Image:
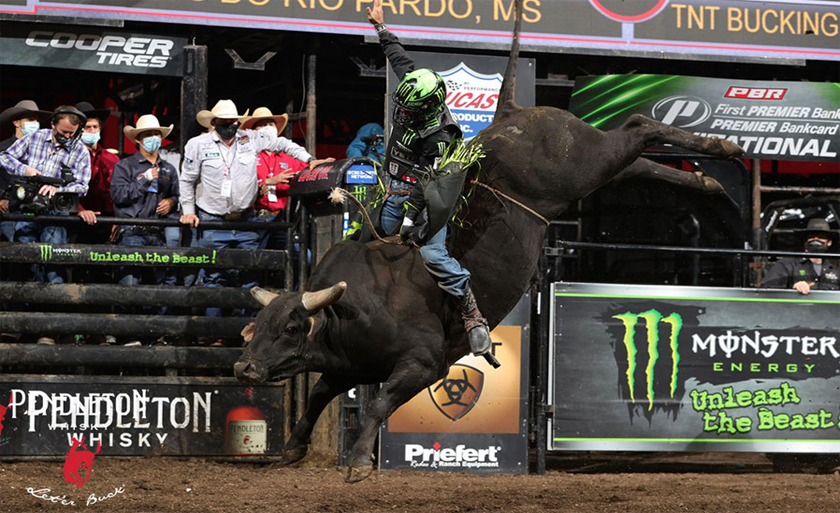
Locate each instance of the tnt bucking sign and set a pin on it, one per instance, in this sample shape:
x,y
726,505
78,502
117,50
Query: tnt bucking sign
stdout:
x,y
472,97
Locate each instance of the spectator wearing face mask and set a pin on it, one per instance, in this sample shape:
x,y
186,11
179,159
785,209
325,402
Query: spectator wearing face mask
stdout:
x,y
98,199
274,170
806,274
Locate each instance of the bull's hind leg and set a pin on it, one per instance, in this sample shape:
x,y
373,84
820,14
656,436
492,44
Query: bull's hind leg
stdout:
x,y
648,170
644,132
408,379
325,390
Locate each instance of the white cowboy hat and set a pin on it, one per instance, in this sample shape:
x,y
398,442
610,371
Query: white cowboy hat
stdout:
x,y
144,124
261,113
224,109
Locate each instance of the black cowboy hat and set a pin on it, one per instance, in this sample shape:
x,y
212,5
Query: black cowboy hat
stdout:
x,y
23,109
819,228
88,110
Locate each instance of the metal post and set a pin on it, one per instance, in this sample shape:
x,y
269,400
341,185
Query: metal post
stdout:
x,y
546,277
756,217
193,91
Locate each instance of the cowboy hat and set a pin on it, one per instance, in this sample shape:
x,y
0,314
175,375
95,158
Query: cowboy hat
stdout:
x,y
88,110
819,228
262,113
224,109
24,108
144,124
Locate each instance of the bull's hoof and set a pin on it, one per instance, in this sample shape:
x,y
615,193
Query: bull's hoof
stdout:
x,y
730,149
293,455
709,184
356,474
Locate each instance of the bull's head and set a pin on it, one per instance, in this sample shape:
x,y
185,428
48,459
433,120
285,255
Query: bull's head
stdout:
x,y
281,340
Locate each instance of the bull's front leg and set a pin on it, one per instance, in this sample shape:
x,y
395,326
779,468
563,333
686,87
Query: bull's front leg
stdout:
x,y
327,388
407,380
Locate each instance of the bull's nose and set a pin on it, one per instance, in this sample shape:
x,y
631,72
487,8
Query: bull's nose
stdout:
x,y
247,371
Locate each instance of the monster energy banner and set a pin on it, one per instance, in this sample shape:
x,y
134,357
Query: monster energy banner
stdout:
x,y
473,420
148,256
720,29
694,368
779,121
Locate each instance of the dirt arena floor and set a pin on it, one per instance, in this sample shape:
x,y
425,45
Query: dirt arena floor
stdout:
x,y
655,483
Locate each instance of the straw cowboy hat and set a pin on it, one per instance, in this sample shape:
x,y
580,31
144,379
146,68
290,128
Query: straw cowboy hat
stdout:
x,y
224,109
144,124
819,228
87,109
23,109
262,113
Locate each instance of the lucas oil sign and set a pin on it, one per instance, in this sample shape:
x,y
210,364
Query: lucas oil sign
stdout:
x,y
472,97
694,368
778,121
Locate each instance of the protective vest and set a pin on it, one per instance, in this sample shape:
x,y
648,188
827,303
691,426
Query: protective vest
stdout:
x,y
405,145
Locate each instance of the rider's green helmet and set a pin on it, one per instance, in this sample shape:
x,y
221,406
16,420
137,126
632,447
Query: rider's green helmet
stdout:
x,y
419,97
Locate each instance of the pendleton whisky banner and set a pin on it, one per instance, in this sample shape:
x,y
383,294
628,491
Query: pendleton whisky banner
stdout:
x,y
694,368
725,29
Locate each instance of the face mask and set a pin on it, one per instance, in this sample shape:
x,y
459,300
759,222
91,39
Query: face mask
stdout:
x,y
30,127
61,139
227,131
151,144
816,246
90,139
270,131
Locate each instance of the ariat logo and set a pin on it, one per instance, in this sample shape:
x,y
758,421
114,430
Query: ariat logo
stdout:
x,y
46,252
656,328
457,393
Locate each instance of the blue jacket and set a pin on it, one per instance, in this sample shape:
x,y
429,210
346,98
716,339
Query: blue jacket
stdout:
x,y
359,149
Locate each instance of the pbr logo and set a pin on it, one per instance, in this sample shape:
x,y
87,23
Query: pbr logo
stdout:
x,y
682,111
472,97
457,393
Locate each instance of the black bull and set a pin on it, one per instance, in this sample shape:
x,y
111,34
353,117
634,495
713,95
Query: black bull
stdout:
x,y
373,313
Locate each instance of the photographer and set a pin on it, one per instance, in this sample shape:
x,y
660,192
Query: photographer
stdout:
x,y
44,152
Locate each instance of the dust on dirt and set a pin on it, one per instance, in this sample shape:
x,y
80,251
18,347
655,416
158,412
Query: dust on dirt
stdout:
x,y
585,484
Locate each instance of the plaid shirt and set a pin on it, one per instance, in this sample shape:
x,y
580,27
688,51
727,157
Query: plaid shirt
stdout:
x,y
39,151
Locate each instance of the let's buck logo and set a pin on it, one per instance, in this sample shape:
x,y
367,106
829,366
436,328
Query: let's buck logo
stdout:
x,y
651,344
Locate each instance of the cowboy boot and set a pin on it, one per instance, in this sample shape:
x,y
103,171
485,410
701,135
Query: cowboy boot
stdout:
x,y
475,324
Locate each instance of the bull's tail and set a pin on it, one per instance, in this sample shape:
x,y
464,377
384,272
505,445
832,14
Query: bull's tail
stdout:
x,y
507,101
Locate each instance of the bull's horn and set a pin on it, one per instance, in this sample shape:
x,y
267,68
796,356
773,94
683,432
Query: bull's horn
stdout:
x,y
319,299
263,296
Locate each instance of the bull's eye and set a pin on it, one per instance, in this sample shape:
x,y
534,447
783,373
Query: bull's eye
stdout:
x,y
291,330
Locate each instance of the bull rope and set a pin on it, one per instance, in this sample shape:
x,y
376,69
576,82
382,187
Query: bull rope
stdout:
x,y
338,195
525,207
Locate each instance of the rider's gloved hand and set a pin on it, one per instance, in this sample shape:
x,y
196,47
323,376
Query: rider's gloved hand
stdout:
x,y
407,229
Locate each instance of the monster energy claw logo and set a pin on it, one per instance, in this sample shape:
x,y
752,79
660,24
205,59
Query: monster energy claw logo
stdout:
x,y
652,319
46,252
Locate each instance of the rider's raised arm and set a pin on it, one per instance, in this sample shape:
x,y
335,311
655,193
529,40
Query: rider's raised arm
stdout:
x,y
391,45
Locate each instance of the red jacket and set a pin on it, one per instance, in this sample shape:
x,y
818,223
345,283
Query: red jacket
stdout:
x,y
98,197
268,165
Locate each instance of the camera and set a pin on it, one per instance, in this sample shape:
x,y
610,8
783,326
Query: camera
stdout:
x,y
23,196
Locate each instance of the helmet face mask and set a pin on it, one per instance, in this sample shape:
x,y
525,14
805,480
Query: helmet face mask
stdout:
x,y
419,97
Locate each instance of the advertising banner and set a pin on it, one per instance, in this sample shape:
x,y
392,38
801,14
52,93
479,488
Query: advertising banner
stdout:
x,y
91,48
657,368
136,416
778,121
473,83
718,29
473,420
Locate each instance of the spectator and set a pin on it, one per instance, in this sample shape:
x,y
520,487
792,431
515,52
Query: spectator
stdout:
x,y
367,144
26,118
224,162
144,186
806,274
274,170
98,199
44,152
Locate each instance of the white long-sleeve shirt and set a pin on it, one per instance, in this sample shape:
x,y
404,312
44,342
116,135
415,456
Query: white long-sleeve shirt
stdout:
x,y
209,163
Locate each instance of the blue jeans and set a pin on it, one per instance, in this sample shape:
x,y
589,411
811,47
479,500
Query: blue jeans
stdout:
x,y
272,239
136,236
223,239
7,231
393,212
31,232
447,272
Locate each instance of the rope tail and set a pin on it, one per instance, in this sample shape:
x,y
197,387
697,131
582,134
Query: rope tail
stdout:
x,y
338,195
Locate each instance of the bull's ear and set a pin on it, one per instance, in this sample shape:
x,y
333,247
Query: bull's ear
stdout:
x,y
248,332
317,300
263,296
315,325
